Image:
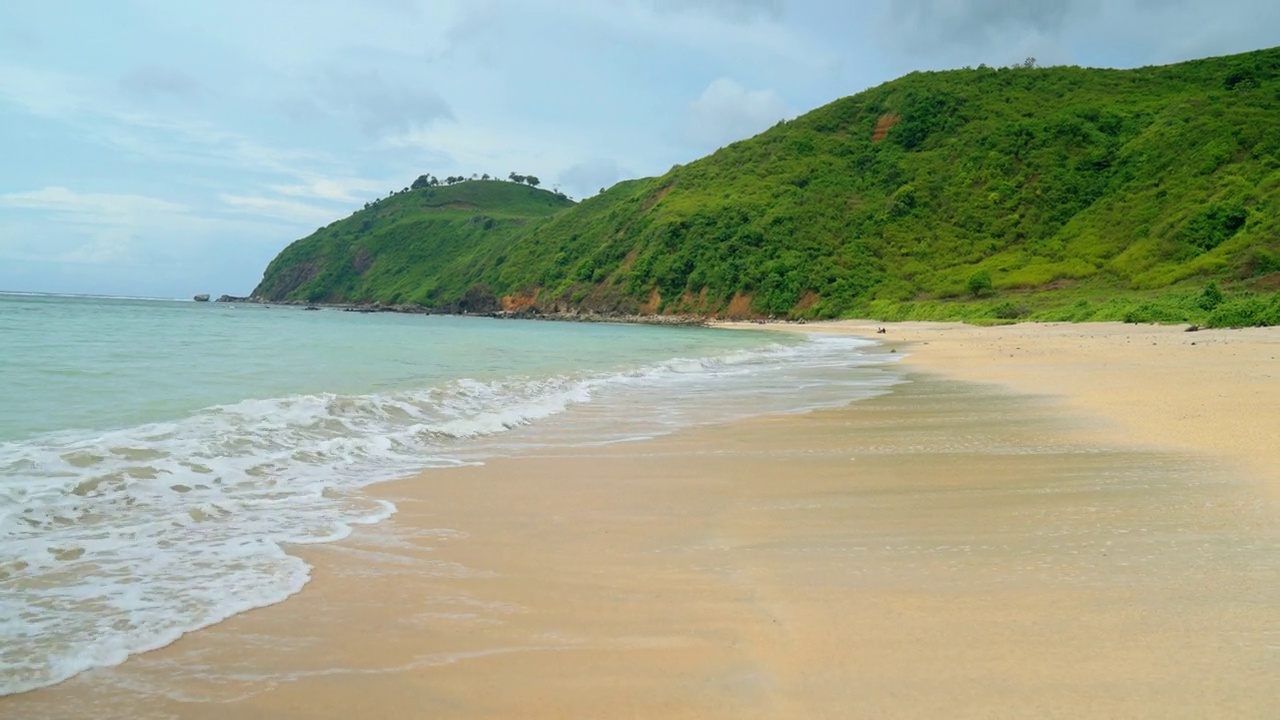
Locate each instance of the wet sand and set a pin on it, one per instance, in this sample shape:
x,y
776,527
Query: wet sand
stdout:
x,y
950,549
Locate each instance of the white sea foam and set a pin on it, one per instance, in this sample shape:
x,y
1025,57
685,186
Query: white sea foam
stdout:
x,y
114,543
81,296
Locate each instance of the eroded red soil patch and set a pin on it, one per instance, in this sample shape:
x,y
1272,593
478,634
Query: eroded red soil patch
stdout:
x,y
650,306
884,125
657,197
520,301
739,307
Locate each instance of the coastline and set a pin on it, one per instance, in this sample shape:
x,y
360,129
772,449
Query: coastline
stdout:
x,y
1042,548
526,313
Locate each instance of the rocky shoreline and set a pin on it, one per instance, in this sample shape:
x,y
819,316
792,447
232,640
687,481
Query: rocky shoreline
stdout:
x,y
522,314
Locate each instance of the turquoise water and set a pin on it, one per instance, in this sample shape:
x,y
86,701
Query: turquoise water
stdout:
x,y
103,363
156,456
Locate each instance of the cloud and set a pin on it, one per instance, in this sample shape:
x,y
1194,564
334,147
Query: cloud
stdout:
x,y
974,21
43,93
1110,33
741,33
480,147
58,239
740,11
148,82
196,142
337,189
103,120
100,227
947,33
89,206
726,111
474,28
377,103
276,209
587,177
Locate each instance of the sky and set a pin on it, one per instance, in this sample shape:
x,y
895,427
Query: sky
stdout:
x,y
171,147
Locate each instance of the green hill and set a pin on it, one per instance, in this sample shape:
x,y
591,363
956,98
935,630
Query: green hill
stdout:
x,y
413,247
1054,193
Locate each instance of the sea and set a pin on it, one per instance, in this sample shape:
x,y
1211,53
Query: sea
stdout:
x,y
159,457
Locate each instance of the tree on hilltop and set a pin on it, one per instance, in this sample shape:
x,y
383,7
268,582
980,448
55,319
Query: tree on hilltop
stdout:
x,y
530,180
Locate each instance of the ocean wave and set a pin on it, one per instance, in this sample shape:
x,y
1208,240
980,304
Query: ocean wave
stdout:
x,y
82,296
117,542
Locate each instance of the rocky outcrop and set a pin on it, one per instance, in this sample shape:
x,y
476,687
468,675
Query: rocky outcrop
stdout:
x,y
477,300
611,317
202,297
480,301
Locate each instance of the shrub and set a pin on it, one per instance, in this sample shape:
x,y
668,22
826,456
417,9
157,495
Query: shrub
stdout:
x,y
1261,262
979,283
1008,311
1215,224
1246,311
1210,297
1151,312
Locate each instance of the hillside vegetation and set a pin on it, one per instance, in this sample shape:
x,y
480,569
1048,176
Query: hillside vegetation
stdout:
x,y
1052,193
414,247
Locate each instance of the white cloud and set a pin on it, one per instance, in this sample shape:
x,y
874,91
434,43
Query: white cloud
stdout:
x,y
726,111
147,82
740,11
276,209
1114,33
378,102
56,224
90,206
478,147
589,176
197,142
336,189
100,117
97,228
728,30
43,93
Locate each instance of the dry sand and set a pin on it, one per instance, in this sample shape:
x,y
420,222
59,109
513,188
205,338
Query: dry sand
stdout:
x,y
1097,540
1213,391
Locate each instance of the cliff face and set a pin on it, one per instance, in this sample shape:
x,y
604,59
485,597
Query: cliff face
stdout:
x,y
992,191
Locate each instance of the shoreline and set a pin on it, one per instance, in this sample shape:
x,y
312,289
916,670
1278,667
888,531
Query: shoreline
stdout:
x,y
681,577
528,313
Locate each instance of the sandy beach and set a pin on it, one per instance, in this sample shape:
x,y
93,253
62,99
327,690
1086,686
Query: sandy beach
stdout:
x,y
1051,521
1209,391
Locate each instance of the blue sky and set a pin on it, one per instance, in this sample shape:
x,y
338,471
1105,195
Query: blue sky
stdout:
x,y
170,147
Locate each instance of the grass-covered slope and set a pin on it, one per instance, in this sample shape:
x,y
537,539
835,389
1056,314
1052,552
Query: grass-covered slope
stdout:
x,y
1057,192
415,247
